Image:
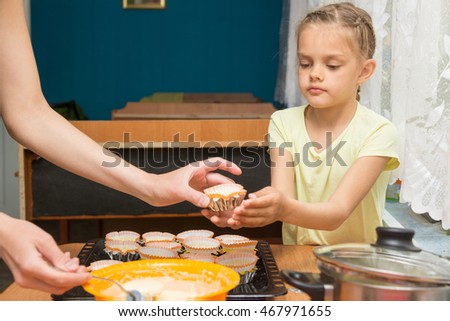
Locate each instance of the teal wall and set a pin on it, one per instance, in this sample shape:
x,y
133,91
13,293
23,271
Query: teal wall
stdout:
x,y
103,56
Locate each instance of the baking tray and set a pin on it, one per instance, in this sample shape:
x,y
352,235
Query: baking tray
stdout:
x,y
265,285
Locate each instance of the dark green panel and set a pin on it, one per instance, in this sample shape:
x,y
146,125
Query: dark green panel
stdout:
x,y
103,56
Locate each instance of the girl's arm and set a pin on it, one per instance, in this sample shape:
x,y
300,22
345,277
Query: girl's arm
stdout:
x,y
269,208
277,203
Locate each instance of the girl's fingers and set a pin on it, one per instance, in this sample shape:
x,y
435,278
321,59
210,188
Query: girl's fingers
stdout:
x,y
249,221
252,196
258,202
248,213
235,225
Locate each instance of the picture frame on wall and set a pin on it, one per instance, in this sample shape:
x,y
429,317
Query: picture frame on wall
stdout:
x,y
144,4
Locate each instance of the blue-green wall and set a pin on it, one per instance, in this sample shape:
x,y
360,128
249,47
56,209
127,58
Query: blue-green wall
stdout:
x,y
103,56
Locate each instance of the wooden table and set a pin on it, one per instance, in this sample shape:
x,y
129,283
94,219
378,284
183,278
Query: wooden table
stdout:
x,y
202,110
293,257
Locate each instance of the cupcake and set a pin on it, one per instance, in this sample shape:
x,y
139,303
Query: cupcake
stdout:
x,y
158,237
238,245
201,245
199,257
122,236
243,262
197,233
122,250
225,197
156,252
168,245
97,265
231,237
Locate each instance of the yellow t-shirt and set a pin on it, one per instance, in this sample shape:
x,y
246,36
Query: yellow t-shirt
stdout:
x,y
317,175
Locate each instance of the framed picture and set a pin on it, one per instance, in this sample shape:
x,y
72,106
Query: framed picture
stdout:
x,y
144,4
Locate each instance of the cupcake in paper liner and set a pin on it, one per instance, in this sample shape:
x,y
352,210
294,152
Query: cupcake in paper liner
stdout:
x,y
199,257
123,236
201,245
225,197
158,237
238,245
194,233
231,237
156,252
122,250
97,265
168,245
243,263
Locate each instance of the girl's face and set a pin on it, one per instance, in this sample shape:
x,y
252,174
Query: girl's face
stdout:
x,y
330,69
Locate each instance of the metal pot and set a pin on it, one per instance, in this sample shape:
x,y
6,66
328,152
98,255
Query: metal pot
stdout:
x,y
391,269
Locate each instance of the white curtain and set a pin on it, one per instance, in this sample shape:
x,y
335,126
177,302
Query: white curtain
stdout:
x,y
411,87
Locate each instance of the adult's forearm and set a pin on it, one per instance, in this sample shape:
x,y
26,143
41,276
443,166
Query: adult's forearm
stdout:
x,y
49,135
31,121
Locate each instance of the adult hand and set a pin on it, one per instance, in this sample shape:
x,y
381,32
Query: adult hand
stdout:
x,y
188,183
35,259
221,219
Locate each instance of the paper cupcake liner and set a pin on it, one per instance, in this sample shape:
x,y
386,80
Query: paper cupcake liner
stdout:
x,y
97,265
122,236
239,261
231,238
242,262
221,205
197,233
168,245
124,257
154,252
225,197
122,250
199,257
248,245
158,237
201,245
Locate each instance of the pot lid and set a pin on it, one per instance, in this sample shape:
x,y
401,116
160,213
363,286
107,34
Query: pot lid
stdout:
x,y
392,257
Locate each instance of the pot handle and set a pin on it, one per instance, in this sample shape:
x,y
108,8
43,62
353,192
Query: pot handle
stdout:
x,y
396,238
309,283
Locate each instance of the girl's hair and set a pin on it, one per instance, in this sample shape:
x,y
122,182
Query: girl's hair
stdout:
x,y
348,16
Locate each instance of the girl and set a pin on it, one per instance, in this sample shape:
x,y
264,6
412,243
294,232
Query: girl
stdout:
x,y
330,158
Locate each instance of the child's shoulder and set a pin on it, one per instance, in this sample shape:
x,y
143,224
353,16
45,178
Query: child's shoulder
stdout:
x,y
371,124
371,115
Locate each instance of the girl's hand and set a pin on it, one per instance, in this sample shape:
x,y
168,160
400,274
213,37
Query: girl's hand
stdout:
x,y
35,260
261,208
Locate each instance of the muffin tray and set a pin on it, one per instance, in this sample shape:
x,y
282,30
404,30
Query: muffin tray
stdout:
x,y
265,285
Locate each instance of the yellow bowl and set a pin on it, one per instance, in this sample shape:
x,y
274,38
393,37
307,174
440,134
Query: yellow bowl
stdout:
x,y
165,279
